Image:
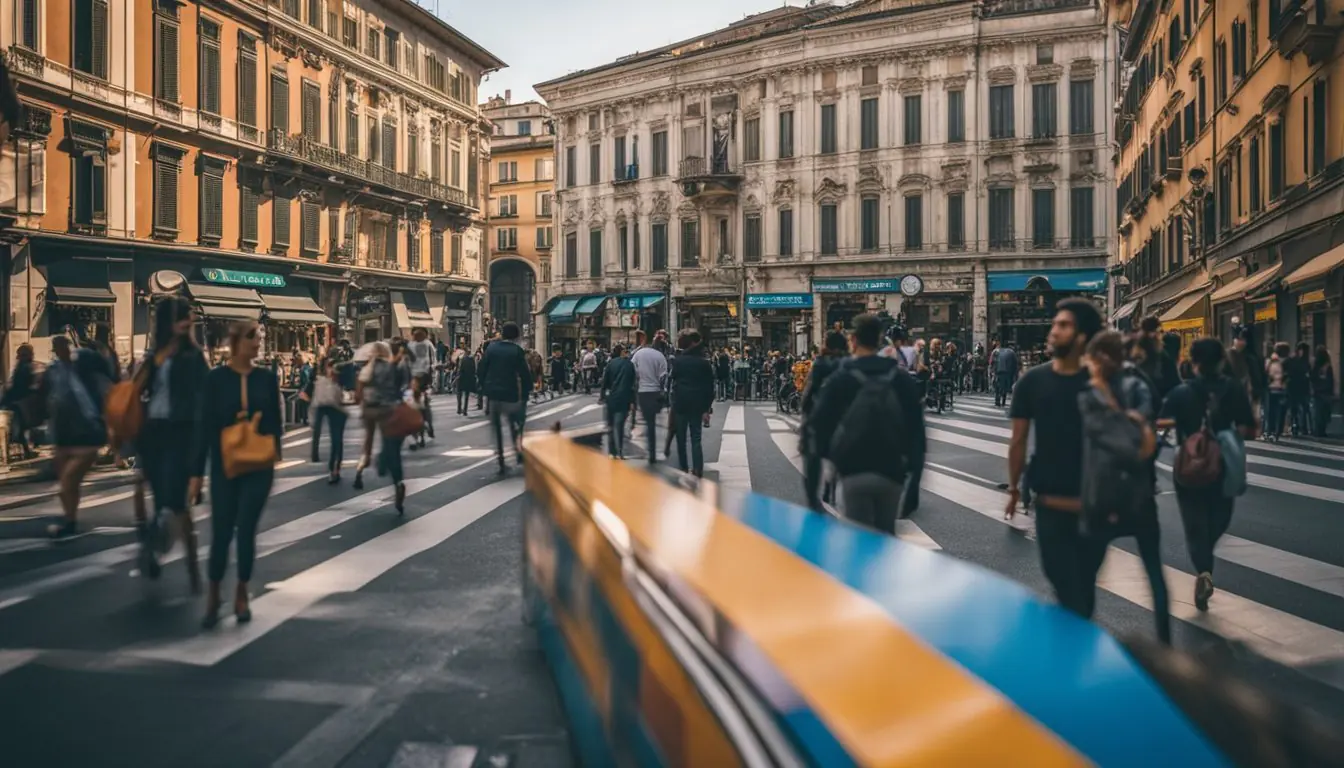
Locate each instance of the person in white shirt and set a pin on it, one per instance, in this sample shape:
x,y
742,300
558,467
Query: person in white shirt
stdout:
x,y
588,367
423,355
651,374
329,402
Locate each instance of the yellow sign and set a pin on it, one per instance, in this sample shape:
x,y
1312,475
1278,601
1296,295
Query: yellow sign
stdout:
x,y
1311,297
1192,324
1270,311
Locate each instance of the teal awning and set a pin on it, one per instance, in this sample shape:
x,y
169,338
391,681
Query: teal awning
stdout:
x,y
1048,280
589,304
634,301
563,311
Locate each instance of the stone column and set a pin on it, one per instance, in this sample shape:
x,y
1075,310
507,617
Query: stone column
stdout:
x,y
818,319
980,305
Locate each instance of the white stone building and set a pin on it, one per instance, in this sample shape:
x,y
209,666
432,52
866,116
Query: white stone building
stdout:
x,y
945,162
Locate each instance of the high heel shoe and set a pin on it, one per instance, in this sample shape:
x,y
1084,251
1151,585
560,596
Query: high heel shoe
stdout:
x,y
212,602
241,610
358,485
401,498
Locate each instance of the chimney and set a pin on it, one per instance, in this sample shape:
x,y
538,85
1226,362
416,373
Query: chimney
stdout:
x,y
508,96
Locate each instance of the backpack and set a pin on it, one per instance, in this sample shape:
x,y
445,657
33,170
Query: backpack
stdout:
x,y
873,425
1199,459
74,404
1116,481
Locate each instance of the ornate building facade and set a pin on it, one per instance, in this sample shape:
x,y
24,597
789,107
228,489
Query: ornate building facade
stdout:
x,y
948,163
312,165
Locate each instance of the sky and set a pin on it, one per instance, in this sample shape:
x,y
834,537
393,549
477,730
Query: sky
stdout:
x,y
545,39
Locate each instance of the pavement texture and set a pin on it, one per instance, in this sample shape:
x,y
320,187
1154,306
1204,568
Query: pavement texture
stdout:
x,y
381,640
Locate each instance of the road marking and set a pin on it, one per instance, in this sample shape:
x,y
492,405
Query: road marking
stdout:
x,y
11,660
587,409
735,421
733,465
778,425
906,530
997,413
349,571
1273,633
530,417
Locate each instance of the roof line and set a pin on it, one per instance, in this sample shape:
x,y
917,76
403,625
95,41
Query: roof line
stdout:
x,y
492,62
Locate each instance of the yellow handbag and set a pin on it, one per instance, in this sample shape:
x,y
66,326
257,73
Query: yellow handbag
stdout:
x,y
242,446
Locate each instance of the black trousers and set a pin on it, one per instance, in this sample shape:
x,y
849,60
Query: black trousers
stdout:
x,y
690,424
1070,559
335,419
1205,514
235,508
650,403
164,452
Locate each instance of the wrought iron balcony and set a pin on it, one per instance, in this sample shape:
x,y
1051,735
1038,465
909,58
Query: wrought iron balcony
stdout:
x,y
696,168
627,174
329,158
1305,30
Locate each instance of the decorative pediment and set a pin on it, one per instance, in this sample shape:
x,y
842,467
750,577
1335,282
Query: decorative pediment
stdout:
x,y
911,182
911,85
662,206
596,214
1001,179
573,212
752,203
1045,73
1002,76
1082,69
830,190
620,216
870,180
785,190
956,82
687,210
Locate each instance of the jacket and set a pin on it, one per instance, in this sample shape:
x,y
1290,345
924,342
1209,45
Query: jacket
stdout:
x,y
839,392
618,384
186,378
504,373
650,368
466,374
692,382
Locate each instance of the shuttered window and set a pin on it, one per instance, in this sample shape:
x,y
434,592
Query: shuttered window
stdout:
x,y
312,110
828,129
352,132
249,203
436,251
1001,234
1001,122
390,249
571,255
1080,218
90,192
914,120
413,246
90,36
29,40
209,84
247,81
165,59
658,246
830,240
389,144
334,116
1042,218
914,222
595,253
280,223
280,102
868,123
212,201
1044,110
167,169
785,232
751,238
457,255
690,243
435,156
956,221
956,117
310,227
412,150
373,147
870,222
1080,107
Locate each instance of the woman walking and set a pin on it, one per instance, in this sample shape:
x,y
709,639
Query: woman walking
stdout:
x,y
232,393
1322,392
466,382
381,384
173,374
329,400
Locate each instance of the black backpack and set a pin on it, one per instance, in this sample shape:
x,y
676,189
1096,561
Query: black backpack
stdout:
x,y
1117,483
873,425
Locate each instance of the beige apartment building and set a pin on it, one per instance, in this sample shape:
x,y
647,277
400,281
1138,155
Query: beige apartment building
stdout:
x,y
312,165
1231,168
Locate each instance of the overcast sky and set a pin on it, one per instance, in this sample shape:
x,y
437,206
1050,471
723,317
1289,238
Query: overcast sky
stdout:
x,y
544,39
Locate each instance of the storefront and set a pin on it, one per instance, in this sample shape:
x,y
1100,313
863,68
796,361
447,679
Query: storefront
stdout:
x,y
841,300
1022,303
785,320
716,318
410,310
457,318
631,312
1123,318
293,319
1234,304
56,288
1316,293
370,315
574,320
1187,317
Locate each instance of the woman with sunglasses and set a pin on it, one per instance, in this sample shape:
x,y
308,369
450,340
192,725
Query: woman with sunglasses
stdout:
x,y
236,503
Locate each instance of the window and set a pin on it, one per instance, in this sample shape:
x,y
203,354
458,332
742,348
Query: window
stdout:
x,y
508,172
247,81
167,169
956,117
372,47
623,247
868,124
1044,110
508,206
571,167
280,102
212,200
830,239
594,121
913,112
1220,91
392,38
545,169
1203,101
88,196
1254,34
1001,218
524,127
280,223
349,32
595,164
1276,160
352,130
1174,39
389,147
828,137
311,115
90,52
618,163
435,153
1188,124
544,237
28,34
658,246
436,74
634,236
455,256
751,238
166,57
291,8
1224,195
660,153
1045,53
249,202
1042,218
455,168
544,204
436,251
914,223
751,139
412,149
956,221
690,243
1001,112
1238,50
870,222
310,230
785,232
315,14
571,255
1257,198
785,134
1318,126
506,238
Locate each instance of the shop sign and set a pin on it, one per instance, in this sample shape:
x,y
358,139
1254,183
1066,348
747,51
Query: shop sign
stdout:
x,y
1311,297
1191,324
1267,311
779,300
869,285
249,279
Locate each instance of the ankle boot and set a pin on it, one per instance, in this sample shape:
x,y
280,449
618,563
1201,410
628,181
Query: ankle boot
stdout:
x,y
241,610
212,602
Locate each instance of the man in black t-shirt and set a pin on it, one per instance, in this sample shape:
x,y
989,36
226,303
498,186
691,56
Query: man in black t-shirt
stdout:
x,y
1045,400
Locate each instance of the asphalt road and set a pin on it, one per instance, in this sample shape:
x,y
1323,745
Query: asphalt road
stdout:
x,y
386,641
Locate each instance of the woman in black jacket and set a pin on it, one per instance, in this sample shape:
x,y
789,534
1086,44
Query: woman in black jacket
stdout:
x,y
466,382
837,347
173,375
692,398
235,503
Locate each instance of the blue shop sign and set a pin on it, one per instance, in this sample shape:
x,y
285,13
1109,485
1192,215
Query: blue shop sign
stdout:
x,y
869,285
779,301
249,279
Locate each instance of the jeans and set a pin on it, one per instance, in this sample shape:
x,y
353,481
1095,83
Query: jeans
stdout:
x,y
616,431
692,423
499,412
1003,386
1299,410
317,430
235,505
463,400
872,500
1276,409
1323,411
650,403
335,419
389,458
1070,559
1205,513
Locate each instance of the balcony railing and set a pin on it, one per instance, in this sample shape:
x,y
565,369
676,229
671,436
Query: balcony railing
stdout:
x,y
627,174
699,167
332,159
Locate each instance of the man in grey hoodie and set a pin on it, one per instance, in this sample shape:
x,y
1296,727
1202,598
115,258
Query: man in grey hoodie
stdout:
x,y
651,374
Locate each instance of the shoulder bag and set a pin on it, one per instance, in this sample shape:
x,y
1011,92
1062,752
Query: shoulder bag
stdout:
x,y
242,446
124,408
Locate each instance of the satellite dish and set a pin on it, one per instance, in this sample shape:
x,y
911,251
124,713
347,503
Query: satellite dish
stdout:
x,y
166,281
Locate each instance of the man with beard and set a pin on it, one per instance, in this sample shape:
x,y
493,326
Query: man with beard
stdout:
x,y
1045,401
